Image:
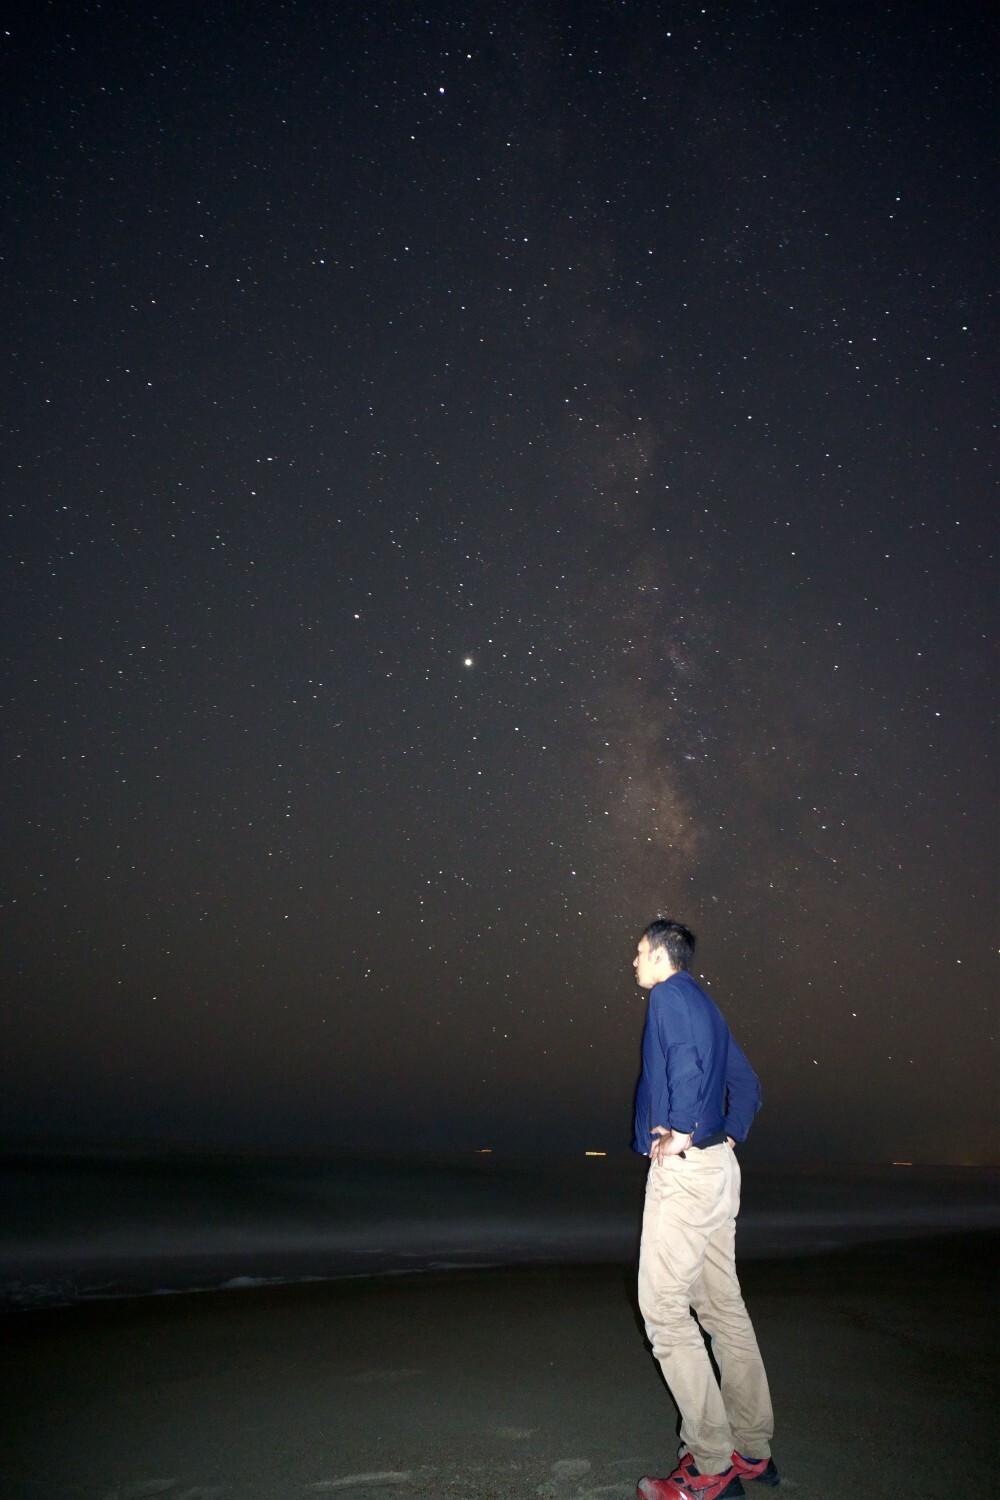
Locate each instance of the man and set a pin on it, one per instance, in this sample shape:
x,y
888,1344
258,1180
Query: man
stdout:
x,y
696,1098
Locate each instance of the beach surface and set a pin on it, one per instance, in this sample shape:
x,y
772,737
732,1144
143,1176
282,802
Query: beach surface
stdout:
x,y
522,1384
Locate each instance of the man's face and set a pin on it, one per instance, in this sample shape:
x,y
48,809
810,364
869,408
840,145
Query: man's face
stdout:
x,y
650,968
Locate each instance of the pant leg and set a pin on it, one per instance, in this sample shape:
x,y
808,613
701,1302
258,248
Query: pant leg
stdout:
x,y
688,1201
718,1301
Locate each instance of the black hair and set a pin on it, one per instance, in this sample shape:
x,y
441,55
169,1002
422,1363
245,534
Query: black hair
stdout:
x,y
678,940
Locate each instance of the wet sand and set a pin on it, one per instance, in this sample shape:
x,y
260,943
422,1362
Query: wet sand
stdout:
x,y
530,1384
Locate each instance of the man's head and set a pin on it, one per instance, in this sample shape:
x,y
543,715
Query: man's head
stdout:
x,y
664,947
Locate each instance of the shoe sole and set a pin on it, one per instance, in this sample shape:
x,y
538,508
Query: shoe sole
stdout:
x,y
734,1489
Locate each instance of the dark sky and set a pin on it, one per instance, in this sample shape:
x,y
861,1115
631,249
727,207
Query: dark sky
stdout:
x,y
476,477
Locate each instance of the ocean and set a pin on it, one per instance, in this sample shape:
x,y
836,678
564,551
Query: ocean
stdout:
x,y
88,1223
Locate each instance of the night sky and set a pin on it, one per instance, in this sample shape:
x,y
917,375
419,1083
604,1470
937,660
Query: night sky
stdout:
x,y
476,477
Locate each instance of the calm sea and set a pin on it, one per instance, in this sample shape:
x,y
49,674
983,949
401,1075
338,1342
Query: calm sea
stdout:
x,y
86,1224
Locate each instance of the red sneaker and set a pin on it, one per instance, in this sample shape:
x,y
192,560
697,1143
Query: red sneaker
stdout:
x,y
761,1469
685,1483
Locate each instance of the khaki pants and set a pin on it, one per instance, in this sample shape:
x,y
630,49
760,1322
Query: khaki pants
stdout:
x,y
688,1260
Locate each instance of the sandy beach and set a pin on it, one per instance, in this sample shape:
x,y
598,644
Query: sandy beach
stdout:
x,y
497,1385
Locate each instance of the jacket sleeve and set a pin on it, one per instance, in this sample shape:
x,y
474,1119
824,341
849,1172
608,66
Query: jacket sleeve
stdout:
x,y
683,1067
742,1093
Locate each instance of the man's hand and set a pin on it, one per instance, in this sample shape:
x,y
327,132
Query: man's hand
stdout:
x,y
671,1143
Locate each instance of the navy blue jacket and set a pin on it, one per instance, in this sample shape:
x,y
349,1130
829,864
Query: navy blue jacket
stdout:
x,y
694,1077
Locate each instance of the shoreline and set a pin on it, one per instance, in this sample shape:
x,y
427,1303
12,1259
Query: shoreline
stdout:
x,y
225,1275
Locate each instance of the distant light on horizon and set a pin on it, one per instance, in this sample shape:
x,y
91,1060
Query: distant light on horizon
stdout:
x,y
902,1164
484,1151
